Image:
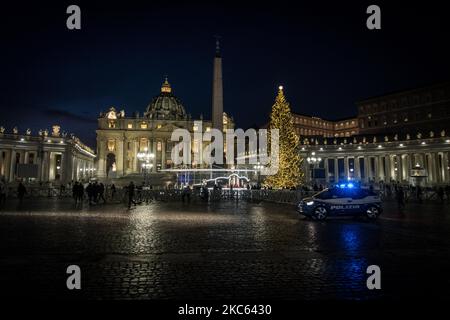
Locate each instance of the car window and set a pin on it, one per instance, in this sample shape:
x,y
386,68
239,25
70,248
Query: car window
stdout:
x,y
326,194
338,193
358,194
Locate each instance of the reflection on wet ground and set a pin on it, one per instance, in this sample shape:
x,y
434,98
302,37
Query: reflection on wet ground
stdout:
x,y
220,250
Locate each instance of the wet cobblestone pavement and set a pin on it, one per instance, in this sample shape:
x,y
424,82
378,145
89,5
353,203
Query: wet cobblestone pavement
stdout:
x,y
234,250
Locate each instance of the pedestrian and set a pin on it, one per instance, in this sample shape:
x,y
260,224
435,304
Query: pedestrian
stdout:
x,y
440,193
3,190
95,191
21,191
447,192
80,193
113,191
419,194
75,191
90,192
186,193
400,195
101,192
205,192
131,194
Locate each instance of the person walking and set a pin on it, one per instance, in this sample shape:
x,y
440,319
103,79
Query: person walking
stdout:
x,y
447,192
95,191
90,193
101,192
400,195
75,191
113,191
3,190
440,193
419,194
21,191
131,195
80,193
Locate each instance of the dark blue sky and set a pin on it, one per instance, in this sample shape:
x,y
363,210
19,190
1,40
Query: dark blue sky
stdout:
x,y
323,55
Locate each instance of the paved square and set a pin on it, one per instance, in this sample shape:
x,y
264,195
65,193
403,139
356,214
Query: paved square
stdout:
x,y
222,250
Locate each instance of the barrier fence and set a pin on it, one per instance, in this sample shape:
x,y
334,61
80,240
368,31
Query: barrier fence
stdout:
x,y
276,196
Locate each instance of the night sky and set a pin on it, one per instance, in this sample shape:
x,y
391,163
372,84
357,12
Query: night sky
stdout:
x,y
323,54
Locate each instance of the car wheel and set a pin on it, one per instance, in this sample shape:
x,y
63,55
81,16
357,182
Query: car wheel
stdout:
x,y
320,213
372,212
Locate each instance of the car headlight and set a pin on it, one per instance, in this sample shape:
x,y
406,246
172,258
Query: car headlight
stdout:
x,y
309,203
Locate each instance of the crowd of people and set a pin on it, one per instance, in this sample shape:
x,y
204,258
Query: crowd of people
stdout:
x,y
95,193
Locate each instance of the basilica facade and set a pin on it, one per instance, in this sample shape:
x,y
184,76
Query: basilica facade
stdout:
x,y
121,138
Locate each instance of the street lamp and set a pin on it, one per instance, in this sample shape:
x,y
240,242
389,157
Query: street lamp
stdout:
x,y
313,161
146,157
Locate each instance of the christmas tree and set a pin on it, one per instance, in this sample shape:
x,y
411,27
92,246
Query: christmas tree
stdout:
x,y
289,173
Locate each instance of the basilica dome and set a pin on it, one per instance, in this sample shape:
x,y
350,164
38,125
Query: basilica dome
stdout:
x,y
166,106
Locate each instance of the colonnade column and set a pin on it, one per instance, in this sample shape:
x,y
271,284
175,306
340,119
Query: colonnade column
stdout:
x,y
445,166
135,152
346,172
12,165
376,169
101,163
119,158
388,168
336,170
163,154
399,175
153,150
357,168
366,168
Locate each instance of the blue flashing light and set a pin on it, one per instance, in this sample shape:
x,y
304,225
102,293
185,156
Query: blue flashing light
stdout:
x,y
349,185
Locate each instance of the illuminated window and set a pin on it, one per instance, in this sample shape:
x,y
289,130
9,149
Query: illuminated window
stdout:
x,y
144,125
195,127
111,145
208,129
143,144
159,146
195,146
130,126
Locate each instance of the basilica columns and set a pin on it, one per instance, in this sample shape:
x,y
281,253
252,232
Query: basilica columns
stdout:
x,y
357,169
163,154
101,161
153,150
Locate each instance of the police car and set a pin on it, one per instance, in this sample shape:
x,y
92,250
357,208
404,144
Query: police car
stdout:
x,y
341,200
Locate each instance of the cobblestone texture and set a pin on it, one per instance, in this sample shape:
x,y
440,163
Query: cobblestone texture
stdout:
x,y
226,250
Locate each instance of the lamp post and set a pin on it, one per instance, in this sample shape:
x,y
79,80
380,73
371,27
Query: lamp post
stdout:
x,y
146,157
313,161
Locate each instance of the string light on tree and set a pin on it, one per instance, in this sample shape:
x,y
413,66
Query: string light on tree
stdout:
x,y
289,173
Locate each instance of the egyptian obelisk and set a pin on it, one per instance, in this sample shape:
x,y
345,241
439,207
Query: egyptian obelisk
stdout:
x,y
217,96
